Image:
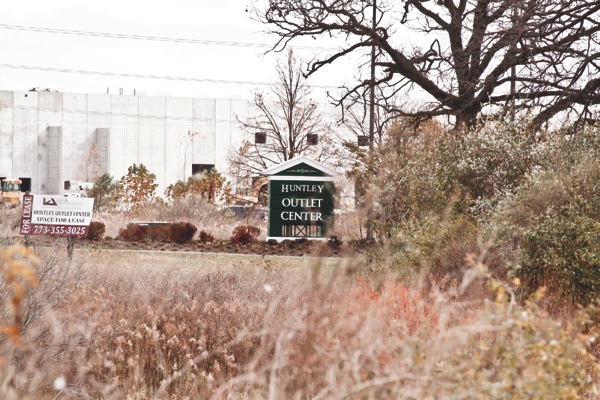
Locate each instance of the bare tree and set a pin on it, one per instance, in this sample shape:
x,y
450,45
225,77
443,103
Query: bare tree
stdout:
x,y
469,57
288,120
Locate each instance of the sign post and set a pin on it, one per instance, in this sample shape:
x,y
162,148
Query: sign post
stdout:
x,y
301,200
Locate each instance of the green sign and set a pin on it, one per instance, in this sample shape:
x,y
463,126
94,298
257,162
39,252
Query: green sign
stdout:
x,y
301,193
300,208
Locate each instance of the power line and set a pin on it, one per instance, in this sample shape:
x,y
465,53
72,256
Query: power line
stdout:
x,y
151,38
141,76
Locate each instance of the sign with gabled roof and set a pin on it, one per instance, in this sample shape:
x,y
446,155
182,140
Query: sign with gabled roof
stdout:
x,y
301,167
301,199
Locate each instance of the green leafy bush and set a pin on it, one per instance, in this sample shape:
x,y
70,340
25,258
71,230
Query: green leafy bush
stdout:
x,y
428,172
211,185
245,234
550,232
105,193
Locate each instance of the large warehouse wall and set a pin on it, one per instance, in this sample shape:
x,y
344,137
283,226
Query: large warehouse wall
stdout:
x,y
47,136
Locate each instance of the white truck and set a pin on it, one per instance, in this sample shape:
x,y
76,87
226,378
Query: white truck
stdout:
x,y
75,188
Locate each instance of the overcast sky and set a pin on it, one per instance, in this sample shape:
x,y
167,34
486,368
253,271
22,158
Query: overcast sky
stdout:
x,y
31,54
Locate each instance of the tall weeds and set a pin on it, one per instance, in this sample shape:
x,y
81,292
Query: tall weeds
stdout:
x,y
271,332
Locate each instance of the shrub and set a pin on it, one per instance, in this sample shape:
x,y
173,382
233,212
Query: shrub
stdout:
x,y
205,237
133,233
138,187
436,244
551,234
182,232
245,234
302,241
96,230
334,242
288,243
427,173
211,185
105,193
159,233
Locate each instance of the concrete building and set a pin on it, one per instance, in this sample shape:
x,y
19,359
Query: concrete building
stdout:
x,y
49,138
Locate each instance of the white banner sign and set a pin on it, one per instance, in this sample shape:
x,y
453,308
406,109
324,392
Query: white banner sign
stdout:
x,y
56,215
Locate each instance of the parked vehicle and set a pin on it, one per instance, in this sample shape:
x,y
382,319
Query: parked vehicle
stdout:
x,y
11,195
75,188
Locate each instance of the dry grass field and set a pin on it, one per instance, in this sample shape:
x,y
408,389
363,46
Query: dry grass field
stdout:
x,y
120,324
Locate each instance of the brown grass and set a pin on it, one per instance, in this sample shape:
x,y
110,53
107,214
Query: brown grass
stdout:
x,y
140,326
10,219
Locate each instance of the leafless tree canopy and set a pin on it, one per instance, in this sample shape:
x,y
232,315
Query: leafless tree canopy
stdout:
x,y
469,56
287,114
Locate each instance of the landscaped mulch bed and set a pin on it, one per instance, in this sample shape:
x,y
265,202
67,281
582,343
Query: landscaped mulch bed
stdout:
x,y
300,248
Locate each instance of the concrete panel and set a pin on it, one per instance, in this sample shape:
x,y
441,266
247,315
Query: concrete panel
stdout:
x,y
178,143
204,145
204,112
152,106
50,113
205,124
152,123
75,109
79,159
25,137
6,134
98,128
179,108
98,111
176,155
103,146
54,163
124,128
120,155
152,137
241,110
75,102
124,105
50,101
74,152
225,121
6,98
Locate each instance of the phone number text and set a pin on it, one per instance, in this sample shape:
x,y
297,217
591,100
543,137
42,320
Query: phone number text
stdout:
x,y
59,230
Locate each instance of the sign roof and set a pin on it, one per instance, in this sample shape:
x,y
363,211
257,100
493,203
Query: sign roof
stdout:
x,y
287,167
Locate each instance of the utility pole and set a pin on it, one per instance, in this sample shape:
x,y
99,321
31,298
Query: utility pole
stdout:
x,y
372,115
372,94
513,71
